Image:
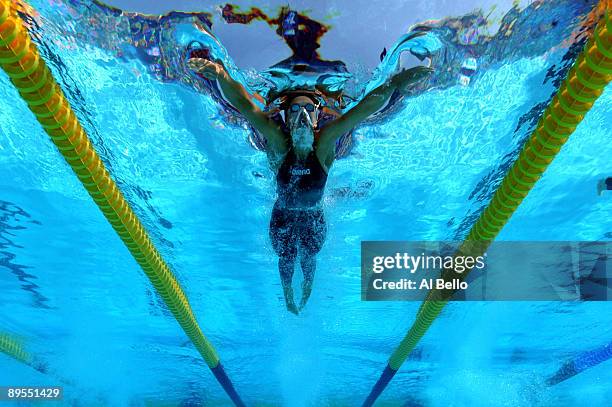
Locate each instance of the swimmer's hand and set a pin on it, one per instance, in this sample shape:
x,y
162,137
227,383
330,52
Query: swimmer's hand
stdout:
x,y
208,69
407,77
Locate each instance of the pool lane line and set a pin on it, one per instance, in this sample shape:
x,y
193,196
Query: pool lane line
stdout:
x,y
12,347
580,363
20,59
585,82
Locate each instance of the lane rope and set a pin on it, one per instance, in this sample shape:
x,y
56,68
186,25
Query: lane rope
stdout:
x,y
585,82
20,59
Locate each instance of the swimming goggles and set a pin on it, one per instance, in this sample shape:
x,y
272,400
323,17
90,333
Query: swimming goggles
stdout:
x,y
295,107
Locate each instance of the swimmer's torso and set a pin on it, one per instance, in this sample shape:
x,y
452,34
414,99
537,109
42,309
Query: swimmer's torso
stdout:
x,y
300,183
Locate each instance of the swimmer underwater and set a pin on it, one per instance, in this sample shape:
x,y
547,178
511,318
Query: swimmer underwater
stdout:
x,y
301,151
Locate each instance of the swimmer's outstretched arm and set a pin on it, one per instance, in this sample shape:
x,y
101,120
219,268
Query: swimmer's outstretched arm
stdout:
x,y
367,106
237,95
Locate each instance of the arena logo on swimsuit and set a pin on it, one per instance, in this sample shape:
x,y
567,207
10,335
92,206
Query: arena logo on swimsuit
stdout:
x,y
300,171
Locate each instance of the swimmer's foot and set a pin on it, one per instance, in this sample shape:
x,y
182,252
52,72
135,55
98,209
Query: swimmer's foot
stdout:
x,y
305,298
292,308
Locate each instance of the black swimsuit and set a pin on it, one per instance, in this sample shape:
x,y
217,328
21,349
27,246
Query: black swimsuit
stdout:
x,y
297,216
300,184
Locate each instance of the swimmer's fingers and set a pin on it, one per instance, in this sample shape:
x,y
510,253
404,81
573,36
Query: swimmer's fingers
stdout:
x,y
205,67
199,65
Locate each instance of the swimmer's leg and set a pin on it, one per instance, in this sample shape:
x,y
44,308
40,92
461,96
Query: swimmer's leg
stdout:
x,y
312,236
286,267
309,266
284,242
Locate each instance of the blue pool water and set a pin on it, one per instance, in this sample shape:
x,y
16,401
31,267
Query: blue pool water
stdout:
x,y
72,292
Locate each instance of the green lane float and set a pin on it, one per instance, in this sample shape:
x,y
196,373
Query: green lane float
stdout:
x,y
13,347
20,59
584,83
10,346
